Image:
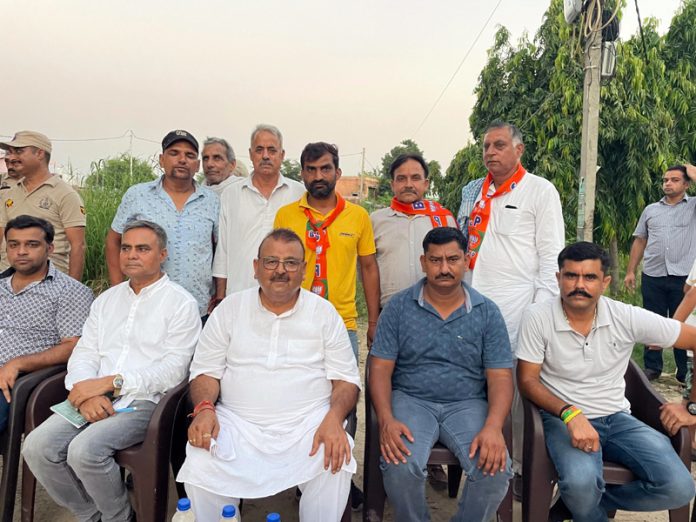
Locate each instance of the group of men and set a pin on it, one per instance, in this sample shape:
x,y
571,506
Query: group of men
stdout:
x,y
269,267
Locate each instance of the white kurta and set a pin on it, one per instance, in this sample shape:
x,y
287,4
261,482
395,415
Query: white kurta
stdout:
x,y
518,260
275,376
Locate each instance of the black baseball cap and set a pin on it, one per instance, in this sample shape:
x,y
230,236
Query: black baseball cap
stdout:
x,y
178,135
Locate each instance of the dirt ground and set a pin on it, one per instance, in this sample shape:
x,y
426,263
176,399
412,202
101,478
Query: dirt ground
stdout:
x,y
441,506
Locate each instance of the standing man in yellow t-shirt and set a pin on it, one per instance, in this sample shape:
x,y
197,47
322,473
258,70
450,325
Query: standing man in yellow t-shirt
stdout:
x,y
337,236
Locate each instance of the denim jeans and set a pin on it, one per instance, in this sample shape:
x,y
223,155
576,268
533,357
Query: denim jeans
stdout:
x,y
662,295
354,344
455,425
77,468
4,412
663,482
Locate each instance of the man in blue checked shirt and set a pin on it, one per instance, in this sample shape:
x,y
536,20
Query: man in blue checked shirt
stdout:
x,y
187,211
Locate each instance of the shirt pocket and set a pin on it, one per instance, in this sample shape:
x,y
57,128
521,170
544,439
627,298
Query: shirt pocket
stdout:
x,y
508,221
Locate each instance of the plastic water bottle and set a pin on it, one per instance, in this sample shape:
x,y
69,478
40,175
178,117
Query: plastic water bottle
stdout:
x,y
229,514
184,513
273,517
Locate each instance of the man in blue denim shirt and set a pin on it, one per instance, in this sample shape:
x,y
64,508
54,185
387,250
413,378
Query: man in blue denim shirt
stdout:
x,y
187,211
441,371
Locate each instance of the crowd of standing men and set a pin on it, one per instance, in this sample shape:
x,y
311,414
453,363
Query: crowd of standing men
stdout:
x,y
247,287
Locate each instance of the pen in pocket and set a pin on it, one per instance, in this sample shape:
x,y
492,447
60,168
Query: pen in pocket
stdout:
x,y
125,410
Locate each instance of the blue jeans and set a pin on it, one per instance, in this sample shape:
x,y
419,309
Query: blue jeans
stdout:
x,y
663,480
455,425
4,412
77,468
354,344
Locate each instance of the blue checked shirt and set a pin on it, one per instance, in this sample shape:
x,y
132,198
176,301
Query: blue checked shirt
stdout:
x,y
190,233
470,193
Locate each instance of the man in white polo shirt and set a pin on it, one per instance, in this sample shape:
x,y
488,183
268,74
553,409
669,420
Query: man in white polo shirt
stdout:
x,y
572,355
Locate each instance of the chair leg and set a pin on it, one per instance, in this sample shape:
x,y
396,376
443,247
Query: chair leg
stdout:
x,y
347,513
505,508
681,514
28,494
454,479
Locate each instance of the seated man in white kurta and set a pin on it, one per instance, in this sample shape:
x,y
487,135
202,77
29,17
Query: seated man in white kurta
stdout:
x,y
273,378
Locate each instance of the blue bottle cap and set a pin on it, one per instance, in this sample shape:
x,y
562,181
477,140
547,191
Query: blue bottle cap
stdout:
x,y
273,517
184,504
229,511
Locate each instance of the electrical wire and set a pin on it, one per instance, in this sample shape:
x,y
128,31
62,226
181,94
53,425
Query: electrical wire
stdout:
x,y
593,19
449,82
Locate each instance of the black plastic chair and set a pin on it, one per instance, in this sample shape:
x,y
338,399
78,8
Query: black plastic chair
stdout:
x,y
11,438
148,461
540,474
375,495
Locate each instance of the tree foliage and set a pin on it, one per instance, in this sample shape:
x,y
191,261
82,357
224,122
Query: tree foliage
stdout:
x,y
647,117
115,173
291,169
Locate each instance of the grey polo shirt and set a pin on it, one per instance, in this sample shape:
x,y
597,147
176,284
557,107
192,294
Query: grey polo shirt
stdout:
x,y
671,234
589,371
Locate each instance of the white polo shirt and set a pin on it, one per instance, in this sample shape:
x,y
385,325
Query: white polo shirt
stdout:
x,y
589,371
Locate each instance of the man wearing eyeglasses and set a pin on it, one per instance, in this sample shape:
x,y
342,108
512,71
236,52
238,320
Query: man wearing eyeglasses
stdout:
x,y
273,378
34,191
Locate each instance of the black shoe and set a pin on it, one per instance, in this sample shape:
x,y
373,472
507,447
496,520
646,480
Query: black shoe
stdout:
x,y
681,378
651,374
356,497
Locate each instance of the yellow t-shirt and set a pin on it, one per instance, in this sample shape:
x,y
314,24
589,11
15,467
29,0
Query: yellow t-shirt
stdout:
x,y
350,236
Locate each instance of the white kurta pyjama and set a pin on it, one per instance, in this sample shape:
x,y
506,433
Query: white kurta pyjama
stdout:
x,y
275,376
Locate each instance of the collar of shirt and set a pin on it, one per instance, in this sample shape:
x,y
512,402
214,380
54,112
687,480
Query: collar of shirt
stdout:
x,y
248,183
52,180
157,187
149,289
6,278
472,297
288,313
561,324
663,200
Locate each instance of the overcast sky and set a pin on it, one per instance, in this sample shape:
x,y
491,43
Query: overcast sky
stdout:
x,y
358,74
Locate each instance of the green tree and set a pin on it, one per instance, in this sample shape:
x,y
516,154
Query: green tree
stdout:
x,y
291,169
115,173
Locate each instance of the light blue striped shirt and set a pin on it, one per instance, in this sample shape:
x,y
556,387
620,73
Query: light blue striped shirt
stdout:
x,y
671,234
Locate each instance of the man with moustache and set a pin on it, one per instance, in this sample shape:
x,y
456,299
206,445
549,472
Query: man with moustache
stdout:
x,y
440,369
34,191
219,164
43,310
515,226
188,213
337,235
572,355
273,378
399,231
666,234
248,208
136,345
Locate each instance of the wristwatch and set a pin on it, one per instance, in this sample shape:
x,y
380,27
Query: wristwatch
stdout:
x,y
117,384
691,407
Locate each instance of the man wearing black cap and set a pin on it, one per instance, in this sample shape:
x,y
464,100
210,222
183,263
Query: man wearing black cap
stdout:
x,y
186,210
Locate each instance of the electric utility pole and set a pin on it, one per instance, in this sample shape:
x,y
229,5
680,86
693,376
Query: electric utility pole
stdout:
x,y
590,136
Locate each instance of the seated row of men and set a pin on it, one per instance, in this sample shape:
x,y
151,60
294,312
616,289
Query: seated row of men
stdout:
x,y
273,378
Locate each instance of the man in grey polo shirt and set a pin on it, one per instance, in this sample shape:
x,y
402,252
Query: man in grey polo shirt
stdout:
x,y
572,355
440,369
43,310
666,234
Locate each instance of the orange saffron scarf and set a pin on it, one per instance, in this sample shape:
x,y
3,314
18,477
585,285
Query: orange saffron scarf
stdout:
x,y
317,240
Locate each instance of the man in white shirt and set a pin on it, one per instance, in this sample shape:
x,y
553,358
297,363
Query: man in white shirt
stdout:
x,y
219,165
136,344
573,352
247,211
516,230
273,379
